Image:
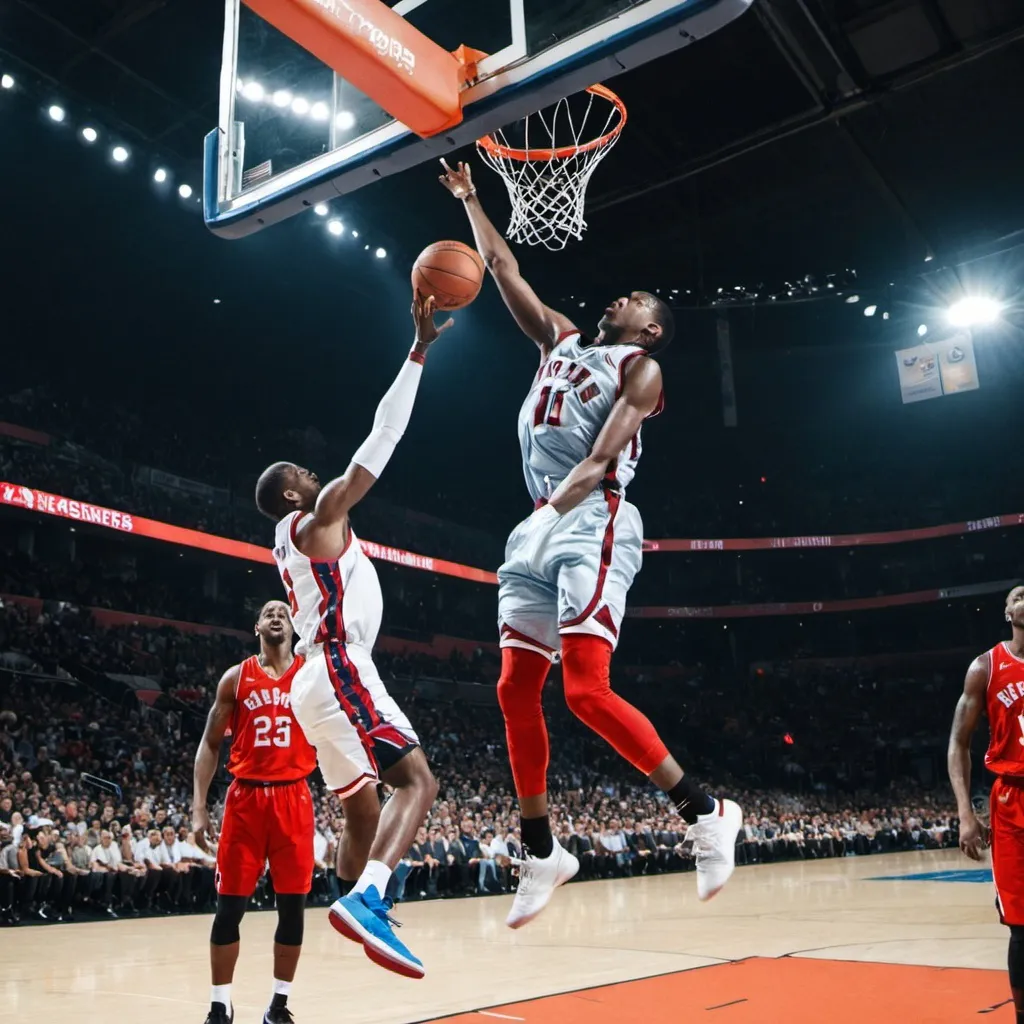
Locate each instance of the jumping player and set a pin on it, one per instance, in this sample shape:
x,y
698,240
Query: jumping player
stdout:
x,y
569,566
268,813
995,686
361,736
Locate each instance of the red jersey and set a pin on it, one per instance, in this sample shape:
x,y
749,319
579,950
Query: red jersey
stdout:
x,y
1005,707
267,744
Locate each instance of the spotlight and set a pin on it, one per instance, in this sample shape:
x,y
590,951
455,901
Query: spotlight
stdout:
x,y
975,309
345,120
870,310
185,191
90,134
922,330
355,234
852,300
381,253
282,98
300,106
160,176
120,154
319,111
335,227
7,82
56,113
253,91
320,209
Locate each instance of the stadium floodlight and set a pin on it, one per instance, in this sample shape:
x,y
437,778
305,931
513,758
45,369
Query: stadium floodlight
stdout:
x,y
253,91
345,120
282,98
7,82
90,134
319,111
56,113
320,209
160,176
300,106
185,191
870,310
922,330
381,253
335,227
973,311
120,154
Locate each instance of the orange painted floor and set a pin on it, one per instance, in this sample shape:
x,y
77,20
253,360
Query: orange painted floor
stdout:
x,y
786,991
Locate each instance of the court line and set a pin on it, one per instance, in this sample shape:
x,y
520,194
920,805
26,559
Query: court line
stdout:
x,y
503,1016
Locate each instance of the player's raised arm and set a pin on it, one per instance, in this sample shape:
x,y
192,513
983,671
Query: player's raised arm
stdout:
x,y
969,708
640,398
537,321
208,752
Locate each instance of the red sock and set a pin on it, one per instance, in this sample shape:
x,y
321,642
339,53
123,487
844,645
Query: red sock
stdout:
x,y
519,693
586,663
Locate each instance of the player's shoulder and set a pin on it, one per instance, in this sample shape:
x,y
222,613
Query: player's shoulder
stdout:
x,y
284,533
984,667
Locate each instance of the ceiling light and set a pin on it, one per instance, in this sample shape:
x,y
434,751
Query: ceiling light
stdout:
x,y
345,120
90,134
381,253
870,310
7,82
320,209
253,91
120,154
335,227
160,176
852,299
56,113
319,111
300,106
282,98
185,191
922,330
973,310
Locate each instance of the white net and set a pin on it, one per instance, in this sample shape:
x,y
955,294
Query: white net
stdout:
x,y
548,165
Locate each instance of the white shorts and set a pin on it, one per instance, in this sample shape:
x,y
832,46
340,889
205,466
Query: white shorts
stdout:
x,y
357,728
577,582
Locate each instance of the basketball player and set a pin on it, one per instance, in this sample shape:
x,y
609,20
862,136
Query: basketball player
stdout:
x,y
268,813
995,686
361,736
569,566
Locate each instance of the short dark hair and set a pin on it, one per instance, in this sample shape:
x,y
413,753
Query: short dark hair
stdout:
x,y
270,489
664,318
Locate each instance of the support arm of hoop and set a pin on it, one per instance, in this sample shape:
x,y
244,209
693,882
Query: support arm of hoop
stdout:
x,y
416,81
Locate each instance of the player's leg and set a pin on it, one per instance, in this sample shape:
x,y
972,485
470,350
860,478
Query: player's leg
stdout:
x,y
1007,821
290,852
527,610
240,858
594,578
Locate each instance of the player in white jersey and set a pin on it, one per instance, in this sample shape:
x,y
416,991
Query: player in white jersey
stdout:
x,y
361,736
568,567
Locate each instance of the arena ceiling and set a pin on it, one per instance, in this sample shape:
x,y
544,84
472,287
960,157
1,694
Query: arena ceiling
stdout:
x,y
809,136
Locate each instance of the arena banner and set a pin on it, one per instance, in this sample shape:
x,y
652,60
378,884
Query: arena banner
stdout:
x,y
747,611
842,540
34,500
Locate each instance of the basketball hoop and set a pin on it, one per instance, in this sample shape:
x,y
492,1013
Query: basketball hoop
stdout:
x,y
547,176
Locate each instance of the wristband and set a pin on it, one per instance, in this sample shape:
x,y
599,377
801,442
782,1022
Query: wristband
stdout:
x,y
417,357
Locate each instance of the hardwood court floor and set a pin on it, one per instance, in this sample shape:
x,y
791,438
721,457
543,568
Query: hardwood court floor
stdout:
x,y
793,943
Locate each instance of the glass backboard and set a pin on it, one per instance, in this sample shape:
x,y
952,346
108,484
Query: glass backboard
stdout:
x,y
292,132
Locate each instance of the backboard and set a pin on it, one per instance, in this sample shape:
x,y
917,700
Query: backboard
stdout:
x,y
292,132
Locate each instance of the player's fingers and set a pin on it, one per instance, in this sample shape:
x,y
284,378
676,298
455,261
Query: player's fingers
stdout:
x,y
444,327
444,164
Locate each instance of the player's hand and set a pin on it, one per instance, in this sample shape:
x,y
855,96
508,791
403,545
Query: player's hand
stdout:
x,y
458,181
975,836
427,332
200,823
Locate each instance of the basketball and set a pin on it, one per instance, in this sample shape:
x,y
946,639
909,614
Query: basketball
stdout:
x,y
450,271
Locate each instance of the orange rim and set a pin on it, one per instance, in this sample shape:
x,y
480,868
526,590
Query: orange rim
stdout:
x,y
563,152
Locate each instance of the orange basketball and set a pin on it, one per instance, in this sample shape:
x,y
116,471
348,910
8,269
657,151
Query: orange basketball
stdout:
x,y
450,271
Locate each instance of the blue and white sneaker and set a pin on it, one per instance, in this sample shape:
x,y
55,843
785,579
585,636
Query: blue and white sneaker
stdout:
x,y
363,917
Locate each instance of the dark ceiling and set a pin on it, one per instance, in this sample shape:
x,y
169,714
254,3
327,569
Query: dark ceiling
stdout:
x,y
809,136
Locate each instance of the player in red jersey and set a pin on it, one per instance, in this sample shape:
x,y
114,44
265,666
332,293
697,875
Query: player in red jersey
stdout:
x,y
995,687
268,812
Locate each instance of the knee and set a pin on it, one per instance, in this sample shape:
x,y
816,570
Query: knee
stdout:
x,y
290,919
581,701
230,910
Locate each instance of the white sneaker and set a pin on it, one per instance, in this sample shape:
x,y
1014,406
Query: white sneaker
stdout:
x,y
539,877
714,846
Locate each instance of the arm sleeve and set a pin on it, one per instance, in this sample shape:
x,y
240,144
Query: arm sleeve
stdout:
x,y
392,418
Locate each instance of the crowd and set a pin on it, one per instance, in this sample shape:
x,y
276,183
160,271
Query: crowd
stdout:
x,y
95,783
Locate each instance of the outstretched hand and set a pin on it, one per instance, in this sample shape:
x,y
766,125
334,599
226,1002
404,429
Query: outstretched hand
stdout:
x,y
458,181
427,332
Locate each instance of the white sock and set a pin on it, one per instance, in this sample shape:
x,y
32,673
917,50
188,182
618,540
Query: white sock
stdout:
x,y
221,994
377,874
282,988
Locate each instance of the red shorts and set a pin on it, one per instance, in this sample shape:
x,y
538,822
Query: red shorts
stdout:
x,y
1007,820
266,823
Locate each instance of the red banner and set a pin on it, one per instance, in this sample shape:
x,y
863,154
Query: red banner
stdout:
x,y
97,515
842,540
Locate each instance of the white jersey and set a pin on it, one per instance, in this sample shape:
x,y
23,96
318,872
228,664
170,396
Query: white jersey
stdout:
x,y
338,600
571,398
